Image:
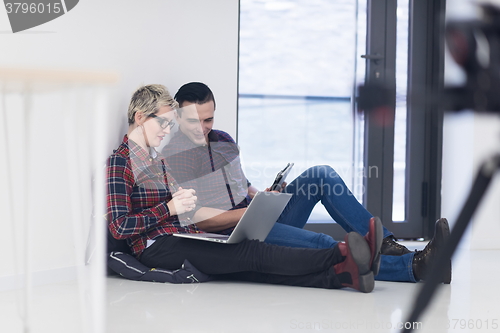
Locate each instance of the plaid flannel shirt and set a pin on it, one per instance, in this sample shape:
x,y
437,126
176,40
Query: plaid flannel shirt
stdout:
x,y
138,189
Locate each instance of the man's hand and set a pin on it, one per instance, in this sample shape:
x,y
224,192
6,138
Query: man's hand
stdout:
x,y
183,201
281,189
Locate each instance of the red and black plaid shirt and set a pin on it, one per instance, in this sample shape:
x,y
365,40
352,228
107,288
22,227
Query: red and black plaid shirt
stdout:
x,y
138,189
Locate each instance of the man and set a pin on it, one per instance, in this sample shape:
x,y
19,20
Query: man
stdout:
x,y
208,161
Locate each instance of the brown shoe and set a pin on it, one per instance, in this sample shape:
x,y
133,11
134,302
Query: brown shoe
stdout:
x,y
391,248
374,239
356,264
423,259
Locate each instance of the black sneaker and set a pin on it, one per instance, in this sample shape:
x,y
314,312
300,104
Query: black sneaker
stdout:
x,y
391,248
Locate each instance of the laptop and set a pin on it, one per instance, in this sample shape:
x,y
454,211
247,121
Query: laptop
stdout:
x,y
256,223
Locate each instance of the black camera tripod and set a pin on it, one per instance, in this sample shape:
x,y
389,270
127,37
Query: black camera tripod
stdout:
x,y
481,183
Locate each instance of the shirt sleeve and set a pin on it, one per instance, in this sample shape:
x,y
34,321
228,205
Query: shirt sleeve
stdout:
x,y
123,222
227,138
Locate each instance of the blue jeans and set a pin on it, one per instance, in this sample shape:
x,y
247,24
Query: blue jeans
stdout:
x,y
322,183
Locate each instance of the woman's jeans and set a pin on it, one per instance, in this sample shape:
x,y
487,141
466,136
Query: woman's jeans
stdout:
x,y
322,183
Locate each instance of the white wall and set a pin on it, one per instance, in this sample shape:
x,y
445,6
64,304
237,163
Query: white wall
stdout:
x,y
170,42
151,41
469,138
486,223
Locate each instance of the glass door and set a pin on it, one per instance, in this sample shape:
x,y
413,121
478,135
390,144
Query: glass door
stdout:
x,y
298,69
299,65
403,140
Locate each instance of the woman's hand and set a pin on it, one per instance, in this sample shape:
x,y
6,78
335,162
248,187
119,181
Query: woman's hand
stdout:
x,y
183,201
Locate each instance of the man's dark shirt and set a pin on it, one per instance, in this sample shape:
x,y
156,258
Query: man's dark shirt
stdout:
x,y
213,170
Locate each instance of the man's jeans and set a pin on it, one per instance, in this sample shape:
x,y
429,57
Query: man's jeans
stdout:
x,y
322,183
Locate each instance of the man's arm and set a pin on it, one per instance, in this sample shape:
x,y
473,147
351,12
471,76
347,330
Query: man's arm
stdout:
x,y
252,191
213,220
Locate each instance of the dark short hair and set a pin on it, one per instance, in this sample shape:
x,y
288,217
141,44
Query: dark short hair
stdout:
x,y
194,92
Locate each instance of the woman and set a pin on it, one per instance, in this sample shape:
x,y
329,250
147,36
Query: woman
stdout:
x,y
146,206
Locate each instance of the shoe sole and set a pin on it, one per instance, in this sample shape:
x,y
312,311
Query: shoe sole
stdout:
x,y
444,240
360,252
378,244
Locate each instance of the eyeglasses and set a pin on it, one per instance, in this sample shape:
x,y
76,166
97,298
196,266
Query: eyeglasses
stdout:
x,y
164,123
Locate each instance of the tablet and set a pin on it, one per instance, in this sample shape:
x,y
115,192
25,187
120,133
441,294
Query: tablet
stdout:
x,y
280,178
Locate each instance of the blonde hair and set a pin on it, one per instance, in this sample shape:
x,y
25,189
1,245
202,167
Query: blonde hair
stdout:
x,y
148,100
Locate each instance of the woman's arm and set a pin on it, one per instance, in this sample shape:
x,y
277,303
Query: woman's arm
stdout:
x,y
122,222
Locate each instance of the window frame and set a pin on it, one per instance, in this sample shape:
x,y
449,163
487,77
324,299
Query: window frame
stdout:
x,y
424,120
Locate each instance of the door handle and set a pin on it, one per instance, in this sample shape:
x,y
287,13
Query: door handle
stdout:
x,y
373,56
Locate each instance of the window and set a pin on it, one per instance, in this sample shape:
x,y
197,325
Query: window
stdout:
x,y
299,63
297,71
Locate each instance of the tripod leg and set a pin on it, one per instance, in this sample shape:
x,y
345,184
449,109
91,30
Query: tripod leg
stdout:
x,y
481,183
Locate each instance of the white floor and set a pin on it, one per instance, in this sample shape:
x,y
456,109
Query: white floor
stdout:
x,y
470,304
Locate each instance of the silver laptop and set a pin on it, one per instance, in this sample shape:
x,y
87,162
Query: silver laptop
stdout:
x,y
256,222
